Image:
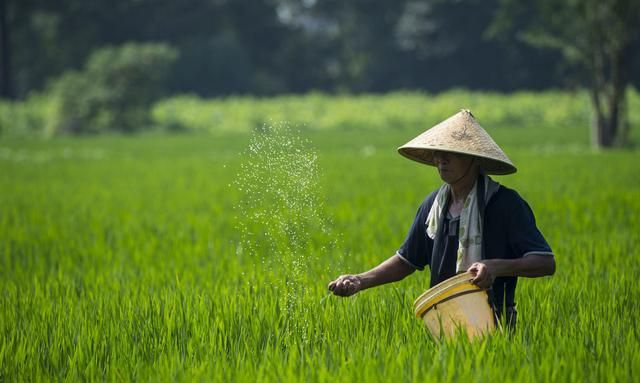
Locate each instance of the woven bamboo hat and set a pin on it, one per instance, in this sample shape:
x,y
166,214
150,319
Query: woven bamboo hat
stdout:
x,y
460,133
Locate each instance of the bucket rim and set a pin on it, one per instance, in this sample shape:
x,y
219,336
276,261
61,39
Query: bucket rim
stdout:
x,y
453,285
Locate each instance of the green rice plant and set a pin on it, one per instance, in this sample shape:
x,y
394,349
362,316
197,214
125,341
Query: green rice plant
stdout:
x,y
120,261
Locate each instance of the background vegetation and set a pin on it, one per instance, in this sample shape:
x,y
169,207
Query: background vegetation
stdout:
x,y
519,113
85,54
132,258
268,47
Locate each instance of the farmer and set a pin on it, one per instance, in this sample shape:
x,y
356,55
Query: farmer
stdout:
x,y
471,223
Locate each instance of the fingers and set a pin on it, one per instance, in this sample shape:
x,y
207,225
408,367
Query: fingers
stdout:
x,y
333,284
482,275
344,286
476,270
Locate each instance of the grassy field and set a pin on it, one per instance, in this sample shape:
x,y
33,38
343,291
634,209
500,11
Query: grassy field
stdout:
x,y
206,257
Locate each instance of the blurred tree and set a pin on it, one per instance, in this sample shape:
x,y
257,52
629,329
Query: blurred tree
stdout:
x,y
212,66
369,59
348,43
448,43
310,56
595,37
114,90
274,46
41,41
13,16
6,89
48,37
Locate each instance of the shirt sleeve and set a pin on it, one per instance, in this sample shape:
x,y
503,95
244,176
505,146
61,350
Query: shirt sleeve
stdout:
x,y
417,247
523,235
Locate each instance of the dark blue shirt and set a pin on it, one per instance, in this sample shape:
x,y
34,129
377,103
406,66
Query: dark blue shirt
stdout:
x,y
509,231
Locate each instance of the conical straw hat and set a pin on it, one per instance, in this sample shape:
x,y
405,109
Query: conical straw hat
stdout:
x,y
460,133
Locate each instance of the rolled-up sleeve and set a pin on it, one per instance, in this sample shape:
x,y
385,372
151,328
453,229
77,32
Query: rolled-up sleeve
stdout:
x,y
523,234
417,247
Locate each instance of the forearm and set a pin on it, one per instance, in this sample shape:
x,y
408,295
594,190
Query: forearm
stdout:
x,y
531,266
391,270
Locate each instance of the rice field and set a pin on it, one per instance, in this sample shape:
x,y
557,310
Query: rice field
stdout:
x,y
206,257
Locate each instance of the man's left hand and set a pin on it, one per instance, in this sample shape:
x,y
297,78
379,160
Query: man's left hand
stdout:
x,y
483,276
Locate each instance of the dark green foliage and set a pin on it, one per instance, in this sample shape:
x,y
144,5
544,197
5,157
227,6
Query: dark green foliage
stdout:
x,y
266,47
114,91
597,38
212,66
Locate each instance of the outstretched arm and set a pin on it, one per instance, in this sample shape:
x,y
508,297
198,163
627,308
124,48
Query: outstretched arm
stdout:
x,y
391,270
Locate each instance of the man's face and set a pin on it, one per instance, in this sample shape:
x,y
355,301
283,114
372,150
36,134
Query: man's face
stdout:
x,y
452,166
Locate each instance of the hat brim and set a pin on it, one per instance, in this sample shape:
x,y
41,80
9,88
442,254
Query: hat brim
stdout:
x,y
425,155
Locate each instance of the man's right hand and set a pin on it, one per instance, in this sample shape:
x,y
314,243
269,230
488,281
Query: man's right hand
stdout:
x,y
346,285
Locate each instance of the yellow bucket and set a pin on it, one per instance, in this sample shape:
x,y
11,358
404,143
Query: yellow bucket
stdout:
x,y
453,305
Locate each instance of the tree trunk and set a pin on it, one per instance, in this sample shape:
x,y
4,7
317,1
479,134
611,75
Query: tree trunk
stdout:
x,y
6,90
608,97
606,125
